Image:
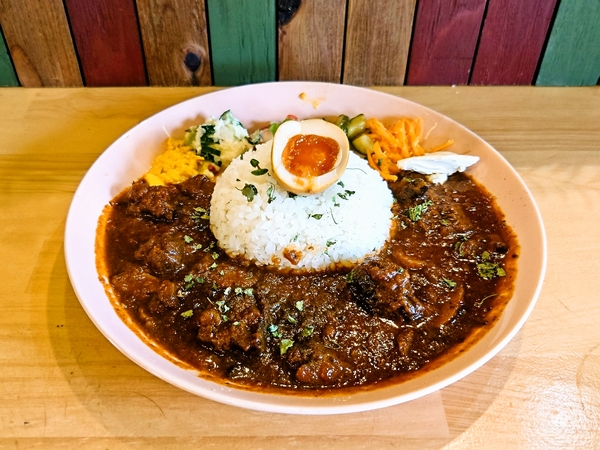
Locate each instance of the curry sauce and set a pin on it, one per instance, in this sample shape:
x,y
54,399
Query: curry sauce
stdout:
x,y
440,282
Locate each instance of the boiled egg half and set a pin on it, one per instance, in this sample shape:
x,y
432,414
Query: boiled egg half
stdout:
x,y
308,156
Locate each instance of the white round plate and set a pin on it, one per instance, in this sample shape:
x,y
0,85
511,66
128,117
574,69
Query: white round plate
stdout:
x,y
257,105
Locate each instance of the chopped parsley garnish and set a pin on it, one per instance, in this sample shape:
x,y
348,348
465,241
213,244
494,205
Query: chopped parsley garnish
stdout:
x,y
417,211
340,183
450,283
316,216
249,191
330,243
345,194
222,306
190,281
285,345
187,314
200,213
350,277
292,195
332,216
259,170
479,303
274,330
308,331
458,248
215,255
270,194
291,320
213,266
488,270
188,239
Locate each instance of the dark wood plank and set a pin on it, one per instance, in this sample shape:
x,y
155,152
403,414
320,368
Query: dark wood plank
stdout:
x,y
243,41
8,77
511,41
444,41
108,43
311,44
175,39
377,41
39,41
572,56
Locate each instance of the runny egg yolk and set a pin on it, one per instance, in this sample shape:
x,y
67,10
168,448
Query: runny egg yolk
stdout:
x,y
310,155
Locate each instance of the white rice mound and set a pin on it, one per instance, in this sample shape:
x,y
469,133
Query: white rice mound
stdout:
x,y
338,227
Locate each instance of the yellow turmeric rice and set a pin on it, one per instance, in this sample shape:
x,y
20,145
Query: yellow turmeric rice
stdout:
x,y
178,163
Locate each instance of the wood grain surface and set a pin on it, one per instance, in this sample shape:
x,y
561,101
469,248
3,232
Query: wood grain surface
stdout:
x,y
572,57
63,385
107,39
8,77
377,41
311,44
444,41
175,37
511,41
39,41
243,41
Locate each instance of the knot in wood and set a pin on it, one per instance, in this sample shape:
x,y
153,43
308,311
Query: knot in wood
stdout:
x,y
192,61
286,10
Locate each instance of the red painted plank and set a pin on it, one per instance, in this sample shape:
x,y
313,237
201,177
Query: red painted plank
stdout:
x,y
444,41
511,41
108,43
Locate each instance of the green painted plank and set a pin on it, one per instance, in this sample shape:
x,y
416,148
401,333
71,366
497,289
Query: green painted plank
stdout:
x,y
7,71
242,41
572,57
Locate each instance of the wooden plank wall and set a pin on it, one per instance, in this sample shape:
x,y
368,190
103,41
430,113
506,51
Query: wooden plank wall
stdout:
x,y
444,41
107,42
311,40
242,35
360,42
511,41
175,41
573,53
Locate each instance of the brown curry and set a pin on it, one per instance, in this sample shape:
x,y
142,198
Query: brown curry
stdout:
x,y
443,277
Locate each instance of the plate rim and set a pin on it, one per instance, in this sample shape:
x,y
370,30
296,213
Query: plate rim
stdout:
x,y
222,393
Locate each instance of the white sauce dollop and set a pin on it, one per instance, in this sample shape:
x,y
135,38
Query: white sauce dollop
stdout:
x,y
439,166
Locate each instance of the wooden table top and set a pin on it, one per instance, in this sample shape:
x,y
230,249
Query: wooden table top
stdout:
x,y
63,385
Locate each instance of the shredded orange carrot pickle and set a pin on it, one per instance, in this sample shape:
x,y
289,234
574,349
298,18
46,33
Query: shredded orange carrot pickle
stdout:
x,y
391,144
